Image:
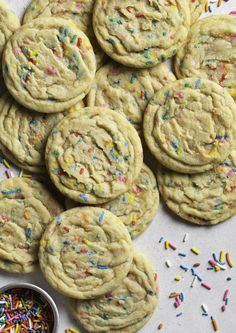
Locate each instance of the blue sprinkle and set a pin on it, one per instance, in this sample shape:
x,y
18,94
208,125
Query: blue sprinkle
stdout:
x,y
18,190
199,278
229,279
197,83
161,239
210,268
182,254
28,232
179,314
66,242
101,216
226,301
58,219
174,144
133,78
102,267
83,197
205,314
166,93
181,297
193,272
50,249
184,268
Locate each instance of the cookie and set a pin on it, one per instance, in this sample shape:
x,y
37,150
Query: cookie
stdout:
x,y
9,23
80,12
204,199
141,33
26,208
209,52
125,309
189,126
49,65
137,207
85,252
127,90
196,9
23,134
94,155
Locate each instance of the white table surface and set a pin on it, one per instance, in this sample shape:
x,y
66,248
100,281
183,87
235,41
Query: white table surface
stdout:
x,y
207,239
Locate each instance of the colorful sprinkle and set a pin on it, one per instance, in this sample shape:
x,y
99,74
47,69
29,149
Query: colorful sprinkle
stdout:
x,y
229,260
206,285
195,251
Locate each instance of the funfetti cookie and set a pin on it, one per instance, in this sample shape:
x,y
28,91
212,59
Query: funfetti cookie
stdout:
x,y
49,65
23,133
137,207
128,90
141,33
189,125
196,9
125,309
93,155
210,52
80,12
85,252
205,199
9,23
26,207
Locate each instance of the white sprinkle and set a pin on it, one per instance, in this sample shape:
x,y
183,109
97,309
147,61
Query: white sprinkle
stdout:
x,y
168,263
193,282
185,237
204,308
21,173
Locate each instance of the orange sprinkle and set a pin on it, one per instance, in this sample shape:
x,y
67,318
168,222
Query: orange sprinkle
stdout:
x,y
206,7
229,260
160,326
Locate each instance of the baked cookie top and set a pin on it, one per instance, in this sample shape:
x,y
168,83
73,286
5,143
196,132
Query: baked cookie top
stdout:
x,y
26,207
80,12
137,207
125,309
207,198
190,125
196,9
94,155
141,33
9,23
210,52
85,252
128,90
49,65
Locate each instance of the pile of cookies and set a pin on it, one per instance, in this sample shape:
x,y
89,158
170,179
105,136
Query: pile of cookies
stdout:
x,y
81,105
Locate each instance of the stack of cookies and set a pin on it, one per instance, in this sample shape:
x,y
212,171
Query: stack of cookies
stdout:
x,y
82,105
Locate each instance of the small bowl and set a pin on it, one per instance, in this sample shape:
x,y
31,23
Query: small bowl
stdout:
x,y
44,295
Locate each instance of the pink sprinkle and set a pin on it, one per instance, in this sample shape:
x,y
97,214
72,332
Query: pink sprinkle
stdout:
x,y
181,94
226,295
206,285
78,4
16,51
9,173
232,38
230,173
233,12
176,304
122,178
172,246
212,262
51,70
4,218
83,250
137,190
109,294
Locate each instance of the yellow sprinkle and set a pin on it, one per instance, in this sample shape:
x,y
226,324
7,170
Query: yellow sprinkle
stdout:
x,y
7,165
222,256
160,326
196,251
178,278
174,295
215,325
232,92
43,243
71,330
26,176
86,241
217,268
206,7
72,109
33,53
166,244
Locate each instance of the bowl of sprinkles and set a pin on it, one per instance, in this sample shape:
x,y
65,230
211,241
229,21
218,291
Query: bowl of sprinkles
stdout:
x,y
26,308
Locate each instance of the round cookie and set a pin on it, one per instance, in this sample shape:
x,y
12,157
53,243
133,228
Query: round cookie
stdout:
x,y
85,252
80,12
26,208
189,125
141,33
127,90
9,23
125,309
209,52
204,199
196,9
94,155
137,207
23,133
49,65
